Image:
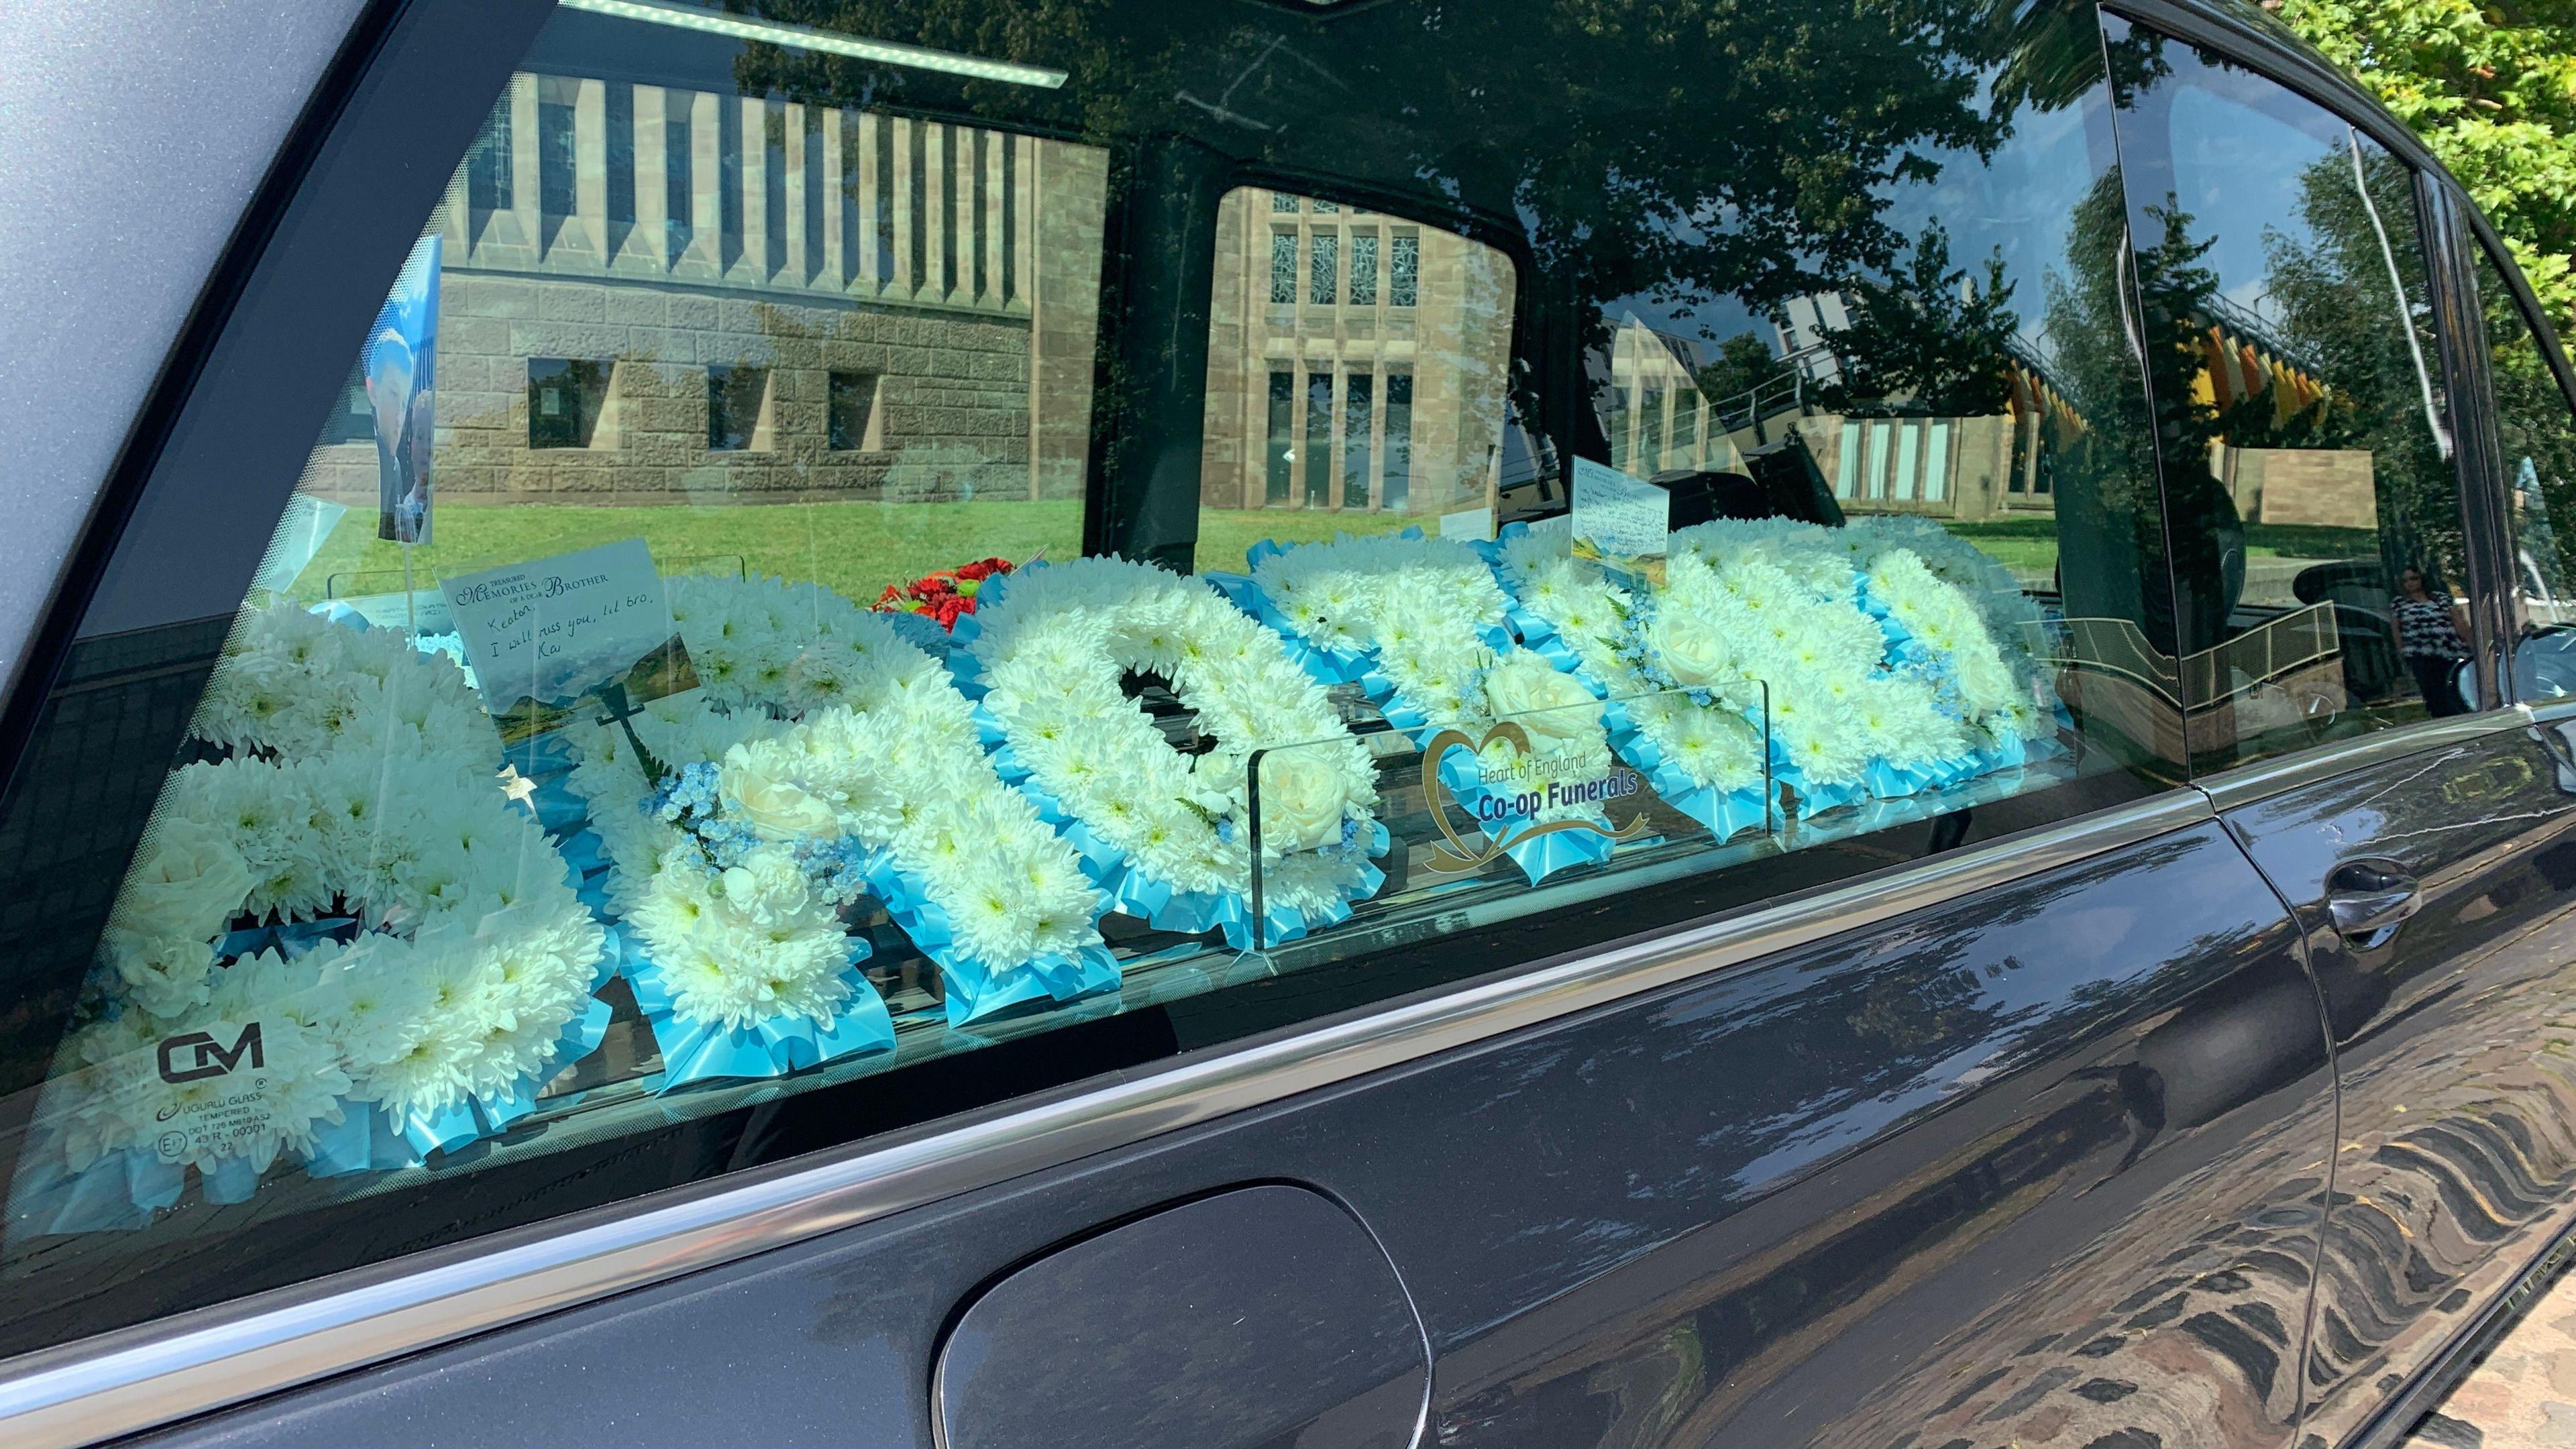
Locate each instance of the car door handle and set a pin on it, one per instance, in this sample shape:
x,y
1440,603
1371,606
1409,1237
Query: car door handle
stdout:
x,y
2367,899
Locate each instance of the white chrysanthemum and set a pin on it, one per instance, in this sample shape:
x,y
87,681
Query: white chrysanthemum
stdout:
x,y
114,1099
1420,607
1054,651
877,745
449,884
292,685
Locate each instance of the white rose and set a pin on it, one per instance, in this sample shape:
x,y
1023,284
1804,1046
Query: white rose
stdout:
x,y
768,889
1302,800
1534,695
774,808
1694,652
189,882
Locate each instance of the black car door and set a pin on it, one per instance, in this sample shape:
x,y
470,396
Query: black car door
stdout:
x,y
2421,840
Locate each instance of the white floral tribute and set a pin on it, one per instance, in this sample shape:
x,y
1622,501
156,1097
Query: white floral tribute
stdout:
x,y
1165,833
1854,706
1426,614
735,873
293,685
1973,610
460,973
1706,738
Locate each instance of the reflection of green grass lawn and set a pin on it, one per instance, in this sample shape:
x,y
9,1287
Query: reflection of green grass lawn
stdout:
x,y
2029,545
855,548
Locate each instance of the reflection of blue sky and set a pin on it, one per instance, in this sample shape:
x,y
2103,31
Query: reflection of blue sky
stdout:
x,y
2022,202
1704,320
2236,173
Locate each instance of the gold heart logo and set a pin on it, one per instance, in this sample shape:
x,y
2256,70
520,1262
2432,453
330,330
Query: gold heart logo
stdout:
x,y
1460,855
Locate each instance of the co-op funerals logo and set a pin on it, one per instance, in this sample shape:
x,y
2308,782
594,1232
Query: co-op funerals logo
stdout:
x,y
1517,792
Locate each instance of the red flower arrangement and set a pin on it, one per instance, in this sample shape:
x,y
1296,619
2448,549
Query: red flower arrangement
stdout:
x,y
943,595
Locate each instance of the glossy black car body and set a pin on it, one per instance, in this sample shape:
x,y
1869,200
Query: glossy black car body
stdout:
x,y
2218,1107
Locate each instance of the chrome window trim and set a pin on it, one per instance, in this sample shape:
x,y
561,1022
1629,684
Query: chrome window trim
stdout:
x,y
119,1383
2234,789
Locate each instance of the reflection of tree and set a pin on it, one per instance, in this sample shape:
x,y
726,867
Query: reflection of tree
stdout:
x,y
1743,363
2338,310
2533,423
2103,471
1932,340
1684,148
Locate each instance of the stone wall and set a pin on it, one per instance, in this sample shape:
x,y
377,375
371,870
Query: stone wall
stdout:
x,y
950,415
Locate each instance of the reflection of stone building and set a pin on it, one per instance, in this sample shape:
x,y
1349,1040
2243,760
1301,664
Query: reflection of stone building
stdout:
x,y
1356,361
656,293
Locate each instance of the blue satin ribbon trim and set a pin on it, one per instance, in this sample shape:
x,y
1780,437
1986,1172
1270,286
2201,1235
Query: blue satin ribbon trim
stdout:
x,y
970,988
1724,812
703,1051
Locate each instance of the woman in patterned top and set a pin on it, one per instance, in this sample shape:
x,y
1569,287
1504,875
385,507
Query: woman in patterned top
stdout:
x,y
2432,632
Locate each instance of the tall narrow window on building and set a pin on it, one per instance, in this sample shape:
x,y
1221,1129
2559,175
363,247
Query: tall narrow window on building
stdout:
x,y
1686,405
1403,269
728,180
565,396
1364,269
774,220
1936,461
817,194
489,182
353,418
1324,262
734,396
1650,430
1283,438
852,410
1873,482
556,159
1909,460
1319,440
1359,402
880,219
1847,462
679,156
621,159
1283,266
1399,441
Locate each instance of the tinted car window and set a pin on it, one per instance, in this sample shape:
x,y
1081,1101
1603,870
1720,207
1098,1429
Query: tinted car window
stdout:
x,y
2539,437
706,699
2305,447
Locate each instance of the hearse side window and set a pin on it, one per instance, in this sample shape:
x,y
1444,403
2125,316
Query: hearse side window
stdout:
x,y
2306,457
1806,591
2539,462
677,725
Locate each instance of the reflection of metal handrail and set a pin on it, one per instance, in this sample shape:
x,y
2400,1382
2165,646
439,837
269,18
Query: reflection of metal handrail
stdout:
x,y
1793,383
2276,649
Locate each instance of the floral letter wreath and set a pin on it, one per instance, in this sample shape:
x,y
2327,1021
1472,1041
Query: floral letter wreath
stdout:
x,y
1163,834
734,873
1417,622
1859,704
413,946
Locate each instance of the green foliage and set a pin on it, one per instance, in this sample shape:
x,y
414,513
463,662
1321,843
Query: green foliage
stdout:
x,y
1743,363
1936,336
2492,90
